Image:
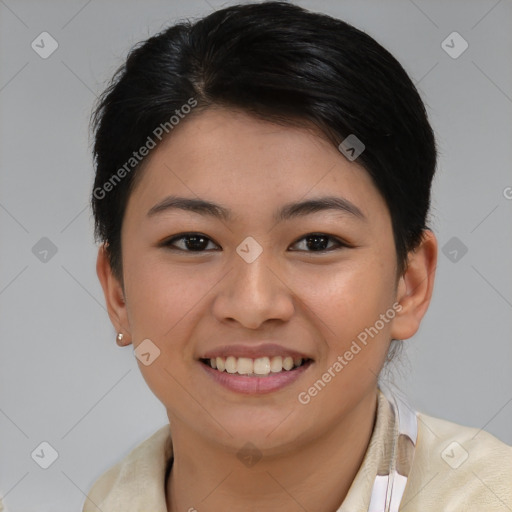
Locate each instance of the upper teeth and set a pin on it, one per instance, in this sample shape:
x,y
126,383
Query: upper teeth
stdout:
x,y
258,366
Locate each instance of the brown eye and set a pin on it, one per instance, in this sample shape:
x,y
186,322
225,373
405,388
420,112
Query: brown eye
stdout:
x,y
318,242
190,242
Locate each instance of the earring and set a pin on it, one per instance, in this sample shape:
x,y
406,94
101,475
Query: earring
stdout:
x,y
120,337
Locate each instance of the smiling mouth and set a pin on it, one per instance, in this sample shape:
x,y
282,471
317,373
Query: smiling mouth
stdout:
x,y
258,367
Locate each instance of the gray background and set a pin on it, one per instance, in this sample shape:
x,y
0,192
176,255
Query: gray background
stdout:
x,y
64,380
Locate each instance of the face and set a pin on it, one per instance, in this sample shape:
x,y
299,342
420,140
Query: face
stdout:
x,y
295,266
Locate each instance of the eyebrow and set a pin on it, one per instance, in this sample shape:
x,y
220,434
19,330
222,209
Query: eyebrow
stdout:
x,y
286,212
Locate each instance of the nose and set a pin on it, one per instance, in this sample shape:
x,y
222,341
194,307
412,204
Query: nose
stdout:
x,y
254,293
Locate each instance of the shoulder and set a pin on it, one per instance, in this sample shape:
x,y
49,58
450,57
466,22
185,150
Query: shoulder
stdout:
x,y
459,467
141,468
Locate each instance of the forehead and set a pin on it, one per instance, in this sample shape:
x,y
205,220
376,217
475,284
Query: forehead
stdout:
x,y
240,159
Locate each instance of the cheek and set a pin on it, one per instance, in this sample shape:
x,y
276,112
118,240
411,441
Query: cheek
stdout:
x,y
347,301
165,304
163,298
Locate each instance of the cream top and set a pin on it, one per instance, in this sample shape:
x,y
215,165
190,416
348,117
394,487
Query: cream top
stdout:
x,y
455,468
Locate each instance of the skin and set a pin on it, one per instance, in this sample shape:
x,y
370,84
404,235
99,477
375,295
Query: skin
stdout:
x,y
315,302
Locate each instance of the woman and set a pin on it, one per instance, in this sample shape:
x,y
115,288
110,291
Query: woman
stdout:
x,y
262,186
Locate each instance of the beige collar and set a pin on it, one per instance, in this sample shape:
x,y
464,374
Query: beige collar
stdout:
x,y
137,483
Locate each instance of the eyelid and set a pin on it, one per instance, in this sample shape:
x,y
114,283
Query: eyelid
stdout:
x,y
168,242
340,241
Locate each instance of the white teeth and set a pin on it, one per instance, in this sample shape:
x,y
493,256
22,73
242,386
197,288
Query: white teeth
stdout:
x,y
231,364
288,363
244,366
276,364
260,366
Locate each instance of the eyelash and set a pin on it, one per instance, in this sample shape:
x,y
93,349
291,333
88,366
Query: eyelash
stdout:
x,y
169,242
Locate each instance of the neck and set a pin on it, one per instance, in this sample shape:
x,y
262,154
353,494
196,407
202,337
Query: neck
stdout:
x,y
314,476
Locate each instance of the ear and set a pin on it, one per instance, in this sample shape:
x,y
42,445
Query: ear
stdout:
x,y
114,296
415,287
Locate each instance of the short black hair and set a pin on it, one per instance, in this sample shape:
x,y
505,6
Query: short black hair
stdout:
x,y
278,62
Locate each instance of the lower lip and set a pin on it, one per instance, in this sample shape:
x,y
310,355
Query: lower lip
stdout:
x,y
256,385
